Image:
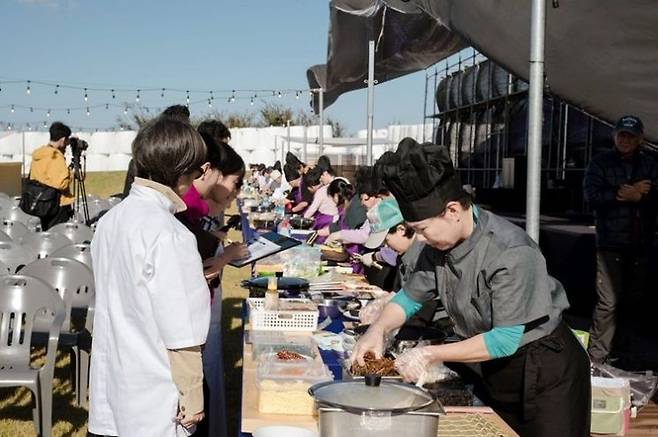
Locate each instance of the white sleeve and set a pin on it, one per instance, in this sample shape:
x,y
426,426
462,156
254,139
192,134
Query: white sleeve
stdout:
x,y
178,291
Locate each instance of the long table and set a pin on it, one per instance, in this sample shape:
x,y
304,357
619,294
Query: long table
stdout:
x,y
456,422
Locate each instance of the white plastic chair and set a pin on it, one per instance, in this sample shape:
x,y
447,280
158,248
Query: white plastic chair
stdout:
x,y
42,244
76,232
79,252
15,213
15,229
22,299
74,282
5,237
14,256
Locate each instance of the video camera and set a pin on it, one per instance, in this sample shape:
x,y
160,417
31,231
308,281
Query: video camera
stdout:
x,y
78,146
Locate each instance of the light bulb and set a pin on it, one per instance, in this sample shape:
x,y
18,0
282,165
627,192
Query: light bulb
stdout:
x,y
48,113
279,94
56,89
252,101
162,93
88,113
28,90
187,97
12,109
125,111
113,94
297,95
86,97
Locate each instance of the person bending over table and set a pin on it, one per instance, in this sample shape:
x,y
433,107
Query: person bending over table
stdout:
x,y
493,282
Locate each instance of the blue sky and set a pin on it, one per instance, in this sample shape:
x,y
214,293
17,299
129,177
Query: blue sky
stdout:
x,y
194,44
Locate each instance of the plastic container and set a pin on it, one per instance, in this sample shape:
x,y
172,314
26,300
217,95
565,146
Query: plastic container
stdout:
x,y
266,342
283,387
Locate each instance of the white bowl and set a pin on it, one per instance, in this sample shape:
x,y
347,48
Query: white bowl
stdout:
x,y
284,431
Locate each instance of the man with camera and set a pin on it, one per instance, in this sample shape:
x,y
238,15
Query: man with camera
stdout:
x,y
50,170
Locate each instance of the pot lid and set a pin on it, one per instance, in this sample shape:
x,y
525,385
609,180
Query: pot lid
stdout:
x,y
372,394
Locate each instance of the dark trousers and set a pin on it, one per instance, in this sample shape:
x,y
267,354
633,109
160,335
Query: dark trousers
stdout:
x,y
63,214
620,279
544,389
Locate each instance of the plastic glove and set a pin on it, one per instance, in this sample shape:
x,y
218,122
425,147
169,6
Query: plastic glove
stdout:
x,y
371,312
368,259
371,341
414,364
333,237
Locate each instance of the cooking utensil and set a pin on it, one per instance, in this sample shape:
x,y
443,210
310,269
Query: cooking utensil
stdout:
x,y
301,222
287,286
373,407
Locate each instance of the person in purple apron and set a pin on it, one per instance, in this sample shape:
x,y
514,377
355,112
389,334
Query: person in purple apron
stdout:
x,y
323,208
340,191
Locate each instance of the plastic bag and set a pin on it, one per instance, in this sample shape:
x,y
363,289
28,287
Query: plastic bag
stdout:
x,y
643,384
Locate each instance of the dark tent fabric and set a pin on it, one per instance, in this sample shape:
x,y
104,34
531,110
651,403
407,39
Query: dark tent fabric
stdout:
x,y
405,43
600,54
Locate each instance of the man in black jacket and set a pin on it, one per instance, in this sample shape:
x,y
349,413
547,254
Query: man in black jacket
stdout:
x,y
621,187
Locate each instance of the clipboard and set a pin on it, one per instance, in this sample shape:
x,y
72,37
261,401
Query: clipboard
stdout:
x,y
262,246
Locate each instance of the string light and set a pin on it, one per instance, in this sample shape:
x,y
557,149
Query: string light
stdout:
x,y
209,103
86,96
187,97
56,89
280,94
125,111
137,98
8,126
297,95
88,113
45,124
252,101
12,109
232,99
68,111
113,94
162,93
28,90
48,113
212,97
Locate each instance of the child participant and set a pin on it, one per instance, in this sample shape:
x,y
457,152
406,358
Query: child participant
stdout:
x,y
152,303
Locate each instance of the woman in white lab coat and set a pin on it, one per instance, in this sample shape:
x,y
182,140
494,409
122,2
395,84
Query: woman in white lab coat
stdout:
x,y
152,301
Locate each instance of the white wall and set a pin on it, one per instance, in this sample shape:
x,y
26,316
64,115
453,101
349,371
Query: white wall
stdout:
x,y
111,151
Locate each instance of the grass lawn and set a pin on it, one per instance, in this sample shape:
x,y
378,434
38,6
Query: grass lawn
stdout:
x,y
71,421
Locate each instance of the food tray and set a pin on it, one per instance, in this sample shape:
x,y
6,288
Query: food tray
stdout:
x,y
282,320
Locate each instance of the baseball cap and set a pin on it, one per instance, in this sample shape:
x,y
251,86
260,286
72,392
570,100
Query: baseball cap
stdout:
x,y
382,218
630,124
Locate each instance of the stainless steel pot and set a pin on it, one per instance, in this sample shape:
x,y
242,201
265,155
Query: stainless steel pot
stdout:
x,y
375,408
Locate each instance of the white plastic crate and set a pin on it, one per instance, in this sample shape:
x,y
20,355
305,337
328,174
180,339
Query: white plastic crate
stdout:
x,y
281,320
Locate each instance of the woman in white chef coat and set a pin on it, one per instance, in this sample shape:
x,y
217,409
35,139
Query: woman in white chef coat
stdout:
x,y
152,300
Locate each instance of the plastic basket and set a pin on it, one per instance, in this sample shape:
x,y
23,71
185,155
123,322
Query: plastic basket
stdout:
x,y
281,320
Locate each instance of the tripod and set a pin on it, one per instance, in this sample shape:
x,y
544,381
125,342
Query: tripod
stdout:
x,y
79,190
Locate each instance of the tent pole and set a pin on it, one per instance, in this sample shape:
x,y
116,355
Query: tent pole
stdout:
x,y
288,135
305,143
321,132
371,99
535,114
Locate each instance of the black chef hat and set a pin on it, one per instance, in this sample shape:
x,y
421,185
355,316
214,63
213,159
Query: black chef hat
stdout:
x,y
421,177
